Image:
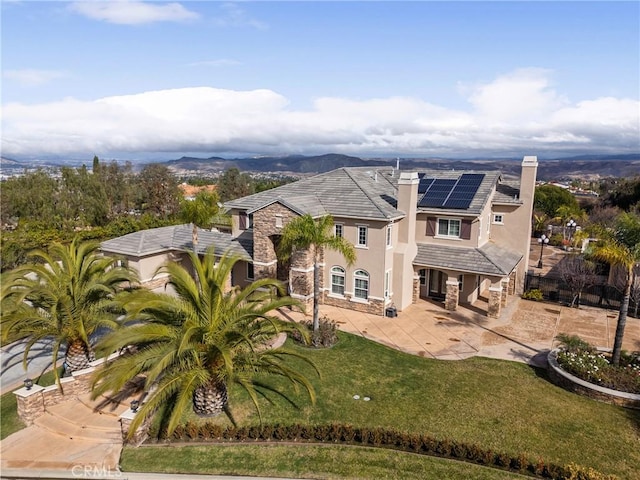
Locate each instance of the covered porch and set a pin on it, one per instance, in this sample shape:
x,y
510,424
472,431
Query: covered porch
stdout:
x,y
459,275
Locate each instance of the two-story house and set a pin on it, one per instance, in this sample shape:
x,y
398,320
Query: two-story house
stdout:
x,y
449,235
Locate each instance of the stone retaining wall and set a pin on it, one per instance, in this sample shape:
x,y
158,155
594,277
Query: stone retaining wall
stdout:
x,y
574,384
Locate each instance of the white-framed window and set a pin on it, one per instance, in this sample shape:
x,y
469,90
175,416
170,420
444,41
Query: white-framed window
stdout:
x,y
362,236
338,230
337,281
278,220
250,272
422,273
387,284
361,285
498,218
448,227
389,235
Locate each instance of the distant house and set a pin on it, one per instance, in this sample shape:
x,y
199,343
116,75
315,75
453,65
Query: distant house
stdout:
x,y
449,235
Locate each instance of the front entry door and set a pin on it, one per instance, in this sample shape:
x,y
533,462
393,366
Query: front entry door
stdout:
x,y
437,284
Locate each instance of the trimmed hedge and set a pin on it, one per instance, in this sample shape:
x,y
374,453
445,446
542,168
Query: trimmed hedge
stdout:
x,y
379,437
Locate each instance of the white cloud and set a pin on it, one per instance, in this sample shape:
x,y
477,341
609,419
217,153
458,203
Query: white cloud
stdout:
x,y
132,12
529,117
32,77
234,16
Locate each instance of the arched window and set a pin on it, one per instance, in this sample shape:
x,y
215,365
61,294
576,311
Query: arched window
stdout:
x,y
361,284
337,281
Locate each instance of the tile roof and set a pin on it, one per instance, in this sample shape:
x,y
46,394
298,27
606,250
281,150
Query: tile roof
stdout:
x,y
177,237
356,192
486,260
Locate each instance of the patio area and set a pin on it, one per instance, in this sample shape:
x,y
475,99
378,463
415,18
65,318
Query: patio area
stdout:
x,y
524,332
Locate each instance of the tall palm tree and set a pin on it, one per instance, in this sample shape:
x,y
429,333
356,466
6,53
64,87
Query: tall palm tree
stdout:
x,y
67,294
307,233
626,255
199,212
190,346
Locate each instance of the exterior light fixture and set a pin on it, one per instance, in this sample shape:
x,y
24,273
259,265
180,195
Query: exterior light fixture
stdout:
x,y
543,240
135,404
28,383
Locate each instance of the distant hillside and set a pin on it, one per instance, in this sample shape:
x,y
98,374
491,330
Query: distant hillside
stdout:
x,y
584,167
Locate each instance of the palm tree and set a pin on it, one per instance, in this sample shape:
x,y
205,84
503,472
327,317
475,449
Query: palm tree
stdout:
x,y
618,252
307,233
68,295
199,212
191,346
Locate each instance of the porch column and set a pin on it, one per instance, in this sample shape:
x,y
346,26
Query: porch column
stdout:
x,y
505,291
512,283
495,295
416,287
451,300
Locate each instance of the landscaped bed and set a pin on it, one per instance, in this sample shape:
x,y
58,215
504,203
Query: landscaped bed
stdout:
x,y
502,406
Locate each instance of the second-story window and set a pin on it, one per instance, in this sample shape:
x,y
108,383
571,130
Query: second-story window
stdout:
x,y
362,236
498,218
448,227
389,235
337,228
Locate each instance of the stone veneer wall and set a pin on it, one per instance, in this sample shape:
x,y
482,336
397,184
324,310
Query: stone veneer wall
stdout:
x,y
574,384
416,289
374,307
264,226
495,301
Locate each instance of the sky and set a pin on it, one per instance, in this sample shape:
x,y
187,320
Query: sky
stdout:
x,y
150,79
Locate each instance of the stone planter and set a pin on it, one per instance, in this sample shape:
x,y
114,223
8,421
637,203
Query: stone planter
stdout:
x,y
574,384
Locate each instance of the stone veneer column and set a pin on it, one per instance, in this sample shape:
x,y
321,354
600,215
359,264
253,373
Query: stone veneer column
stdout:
x,y
416,288
505,291
451,300
30,403
495,296
512,283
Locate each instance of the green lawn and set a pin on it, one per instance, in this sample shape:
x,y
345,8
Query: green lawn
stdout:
x,y
311,461
504,406
501,405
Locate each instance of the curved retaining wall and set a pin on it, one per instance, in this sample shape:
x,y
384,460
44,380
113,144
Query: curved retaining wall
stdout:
x,y
576,385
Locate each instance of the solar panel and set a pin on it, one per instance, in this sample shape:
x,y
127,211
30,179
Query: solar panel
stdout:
x,y
437,193
424,184
461,195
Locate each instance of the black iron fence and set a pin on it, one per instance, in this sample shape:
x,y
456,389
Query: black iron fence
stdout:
x,y
555,290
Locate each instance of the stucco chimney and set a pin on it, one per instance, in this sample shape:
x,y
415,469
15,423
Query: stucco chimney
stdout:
x,y
523,215
406,249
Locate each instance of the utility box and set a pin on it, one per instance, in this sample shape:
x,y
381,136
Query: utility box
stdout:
x,y
391,312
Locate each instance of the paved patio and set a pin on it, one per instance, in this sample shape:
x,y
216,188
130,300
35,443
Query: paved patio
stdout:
x,y
525,331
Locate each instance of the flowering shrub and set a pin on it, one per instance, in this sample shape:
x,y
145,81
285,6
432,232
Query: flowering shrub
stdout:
x,y
581,359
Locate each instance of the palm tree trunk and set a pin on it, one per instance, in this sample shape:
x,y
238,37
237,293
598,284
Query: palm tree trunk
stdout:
x,y
210,399
79,356
194,237
622,319
316,295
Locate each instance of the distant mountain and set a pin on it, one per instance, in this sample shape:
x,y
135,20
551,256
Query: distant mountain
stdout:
x,y
586,167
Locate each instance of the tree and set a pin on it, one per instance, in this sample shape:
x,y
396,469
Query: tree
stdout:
x,y
190,346
232,184
68,294
578,273
305,233
548,198
158,191
199,212
619,249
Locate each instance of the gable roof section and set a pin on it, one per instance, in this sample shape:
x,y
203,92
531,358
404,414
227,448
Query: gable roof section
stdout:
x,y
346,192
486,260
177,238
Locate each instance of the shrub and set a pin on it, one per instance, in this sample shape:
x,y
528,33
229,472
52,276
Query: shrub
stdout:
x,y
533,294
325,337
